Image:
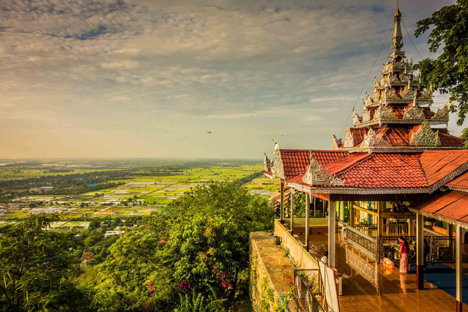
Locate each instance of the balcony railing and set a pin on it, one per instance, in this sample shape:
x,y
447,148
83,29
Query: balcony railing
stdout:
x,y
361,241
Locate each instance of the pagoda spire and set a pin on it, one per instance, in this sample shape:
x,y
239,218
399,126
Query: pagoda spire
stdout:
x,y
397,41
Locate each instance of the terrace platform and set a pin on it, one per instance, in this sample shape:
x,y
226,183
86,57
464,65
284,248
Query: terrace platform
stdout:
x,y
370,287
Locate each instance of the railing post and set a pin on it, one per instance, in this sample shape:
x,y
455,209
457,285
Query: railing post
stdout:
x,y
307,216
291,215
331,234
282,202
420,251
459,269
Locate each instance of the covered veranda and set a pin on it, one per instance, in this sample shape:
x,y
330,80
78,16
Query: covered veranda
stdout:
x,y
355,249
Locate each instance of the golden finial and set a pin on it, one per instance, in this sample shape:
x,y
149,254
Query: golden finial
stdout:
x,y
397,12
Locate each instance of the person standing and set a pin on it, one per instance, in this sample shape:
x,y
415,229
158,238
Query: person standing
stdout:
x,y
404,252
325,258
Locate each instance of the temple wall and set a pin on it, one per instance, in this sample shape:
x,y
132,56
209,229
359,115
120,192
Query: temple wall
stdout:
x,y
271,275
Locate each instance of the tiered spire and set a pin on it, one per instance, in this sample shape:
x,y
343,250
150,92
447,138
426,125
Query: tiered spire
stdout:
x,y
397,41
397,108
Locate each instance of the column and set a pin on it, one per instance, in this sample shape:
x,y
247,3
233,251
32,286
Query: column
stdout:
x,y
351,213
458,268
380,225
307,216
282,202
291,215
315,206
331,233
410,227
420,251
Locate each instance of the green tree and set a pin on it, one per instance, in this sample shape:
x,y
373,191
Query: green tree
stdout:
x,y
199,244
38,271
449,72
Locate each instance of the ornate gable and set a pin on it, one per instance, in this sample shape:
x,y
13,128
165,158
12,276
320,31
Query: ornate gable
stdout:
x,y
425,136
414,112
349,139
317,175
266,162
385,112
336,142
443,113
371,139
277,167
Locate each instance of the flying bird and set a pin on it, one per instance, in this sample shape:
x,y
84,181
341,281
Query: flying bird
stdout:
x,y
209,132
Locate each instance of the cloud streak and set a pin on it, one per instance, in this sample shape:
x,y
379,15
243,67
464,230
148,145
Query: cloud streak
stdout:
x,y
161,72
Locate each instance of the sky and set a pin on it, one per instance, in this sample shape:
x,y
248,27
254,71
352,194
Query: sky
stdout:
x,y
151,78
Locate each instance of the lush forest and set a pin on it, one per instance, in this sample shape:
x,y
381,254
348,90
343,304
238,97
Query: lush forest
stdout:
x,y
193,256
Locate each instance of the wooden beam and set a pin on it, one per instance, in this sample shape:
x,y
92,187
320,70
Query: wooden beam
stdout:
x,y
383,197
365,210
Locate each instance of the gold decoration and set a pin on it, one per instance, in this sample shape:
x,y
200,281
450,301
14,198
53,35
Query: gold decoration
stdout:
x,y
413,113
316,175
425,136
349,139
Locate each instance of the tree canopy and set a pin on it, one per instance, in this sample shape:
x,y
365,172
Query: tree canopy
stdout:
x,y
449,72
29,282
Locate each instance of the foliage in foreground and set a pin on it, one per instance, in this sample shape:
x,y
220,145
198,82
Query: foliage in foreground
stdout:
x,y
192,257
449,72
199,246
29,284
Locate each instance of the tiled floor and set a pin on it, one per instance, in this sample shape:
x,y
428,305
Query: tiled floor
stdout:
x,y
369,287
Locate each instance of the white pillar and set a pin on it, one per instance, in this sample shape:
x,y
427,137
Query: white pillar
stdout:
x,y
331,233
282,202
291,196
458,269
420,251
307,213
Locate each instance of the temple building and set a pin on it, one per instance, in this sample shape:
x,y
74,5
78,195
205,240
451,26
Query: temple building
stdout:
x,y
397,172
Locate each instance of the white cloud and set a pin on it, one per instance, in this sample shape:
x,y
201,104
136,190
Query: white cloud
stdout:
x,y
181,66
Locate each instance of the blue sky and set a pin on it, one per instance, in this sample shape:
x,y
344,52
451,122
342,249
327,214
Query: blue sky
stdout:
x,y
151,78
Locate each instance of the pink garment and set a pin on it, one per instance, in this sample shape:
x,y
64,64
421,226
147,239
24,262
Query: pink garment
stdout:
x,y
404,263
404,248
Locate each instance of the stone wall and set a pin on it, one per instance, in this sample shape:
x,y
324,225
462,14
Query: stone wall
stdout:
x,y
271,275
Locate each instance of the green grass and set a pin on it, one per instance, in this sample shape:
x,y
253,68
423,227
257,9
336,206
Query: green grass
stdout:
x,y
159,190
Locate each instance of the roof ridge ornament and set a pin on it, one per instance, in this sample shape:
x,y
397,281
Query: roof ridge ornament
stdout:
x,y
372,139
397,40
277,165
336,142
414,112
349,139
317,175
266,162
425,136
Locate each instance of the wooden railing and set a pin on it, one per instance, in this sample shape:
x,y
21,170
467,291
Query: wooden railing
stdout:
x,y
361,241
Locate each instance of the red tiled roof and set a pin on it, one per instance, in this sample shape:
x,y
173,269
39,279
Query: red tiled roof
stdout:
x,y
358,135
397,136
460,183
384,171
448,140
296,162
439,164
451,205
402,136
400,111
345,162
